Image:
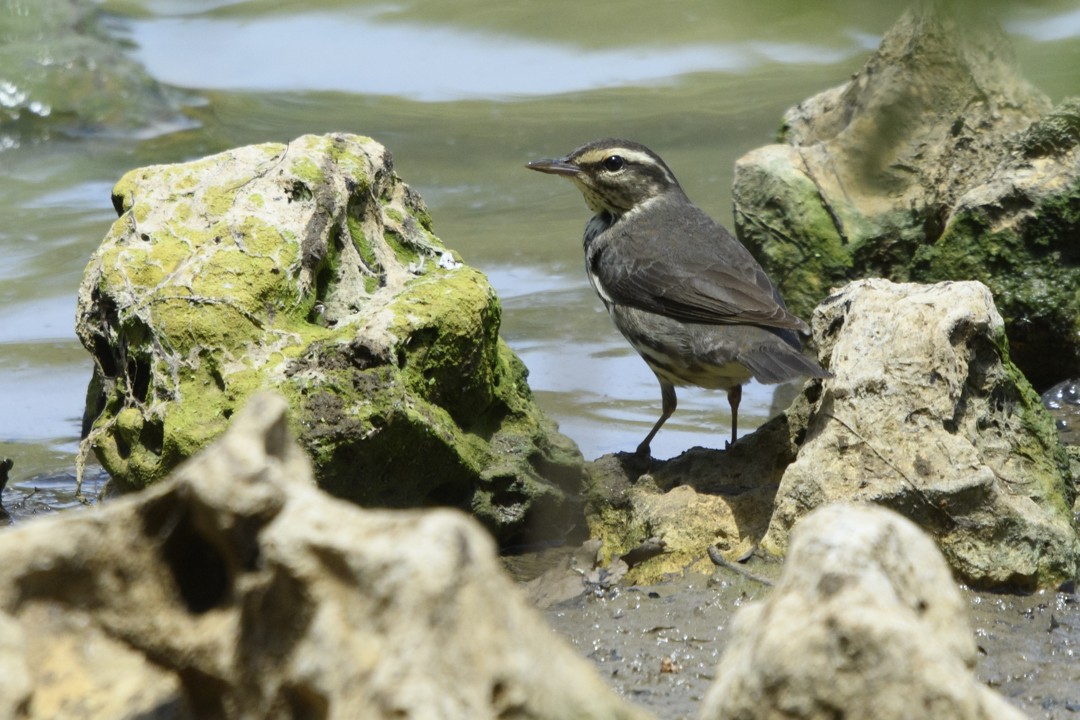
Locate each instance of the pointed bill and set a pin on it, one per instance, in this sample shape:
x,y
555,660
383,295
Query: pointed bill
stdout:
x,y
558,166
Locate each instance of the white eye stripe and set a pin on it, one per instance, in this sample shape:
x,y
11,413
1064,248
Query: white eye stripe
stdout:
x,y
628,154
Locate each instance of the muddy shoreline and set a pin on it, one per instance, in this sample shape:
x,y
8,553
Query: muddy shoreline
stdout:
x,y
659,646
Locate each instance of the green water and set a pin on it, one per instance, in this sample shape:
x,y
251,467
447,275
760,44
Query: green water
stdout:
x,y
463,94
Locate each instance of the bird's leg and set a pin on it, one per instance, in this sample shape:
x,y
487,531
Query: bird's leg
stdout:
x,y
734,397
667,407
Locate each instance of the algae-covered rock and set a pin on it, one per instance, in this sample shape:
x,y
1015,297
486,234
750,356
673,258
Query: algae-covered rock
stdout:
x,y
1016,232
927,166
927,415
310,268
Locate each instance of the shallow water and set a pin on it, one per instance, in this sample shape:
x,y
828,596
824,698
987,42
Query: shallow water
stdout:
x,y
464,94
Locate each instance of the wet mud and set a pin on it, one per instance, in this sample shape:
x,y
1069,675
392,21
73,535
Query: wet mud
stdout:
x,y
659,646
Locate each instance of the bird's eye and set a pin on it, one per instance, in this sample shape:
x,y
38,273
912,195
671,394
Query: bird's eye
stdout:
x,y
613,163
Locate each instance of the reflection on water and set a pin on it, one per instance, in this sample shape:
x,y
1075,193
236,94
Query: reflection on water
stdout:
x,y
1065,26
361,54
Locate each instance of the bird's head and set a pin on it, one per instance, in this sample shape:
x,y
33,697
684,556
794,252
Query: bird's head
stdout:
x,y
615,176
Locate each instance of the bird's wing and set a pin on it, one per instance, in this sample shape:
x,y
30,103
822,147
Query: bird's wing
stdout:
x,y
716,282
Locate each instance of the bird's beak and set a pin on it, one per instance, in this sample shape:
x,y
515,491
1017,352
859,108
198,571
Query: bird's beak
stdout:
x,y
555,167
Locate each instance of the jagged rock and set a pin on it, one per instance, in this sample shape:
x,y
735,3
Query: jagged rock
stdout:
x,y
700,499
310,268
926,166
865,622
1015,231
927,415
237,589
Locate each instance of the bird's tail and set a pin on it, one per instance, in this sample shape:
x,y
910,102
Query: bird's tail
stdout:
x,y
770,366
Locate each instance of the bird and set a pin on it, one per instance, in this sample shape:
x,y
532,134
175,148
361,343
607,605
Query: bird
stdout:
x,y
684,292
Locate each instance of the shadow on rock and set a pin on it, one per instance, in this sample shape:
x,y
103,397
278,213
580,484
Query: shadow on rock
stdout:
x,y
236,588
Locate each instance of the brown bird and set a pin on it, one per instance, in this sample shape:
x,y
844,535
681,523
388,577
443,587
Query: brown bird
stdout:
x,y
688,296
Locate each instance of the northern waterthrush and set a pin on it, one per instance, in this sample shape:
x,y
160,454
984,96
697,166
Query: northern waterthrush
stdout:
x,y
690,299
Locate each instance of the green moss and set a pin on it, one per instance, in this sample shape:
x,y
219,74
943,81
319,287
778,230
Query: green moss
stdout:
x,y
405,254
452,322
1046,458
356,163
185,182
403,440
1055,133
218,200
422,216
305,169
793,236
363,244
1031,266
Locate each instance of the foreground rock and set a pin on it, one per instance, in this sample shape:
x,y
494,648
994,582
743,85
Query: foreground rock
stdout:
x,y
865,622
310,268
237,589
927,415
937,161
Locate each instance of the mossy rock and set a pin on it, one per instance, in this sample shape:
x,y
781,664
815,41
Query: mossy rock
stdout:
x,y
311,269
936,161
1016,233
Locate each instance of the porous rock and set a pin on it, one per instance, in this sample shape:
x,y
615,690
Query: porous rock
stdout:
x,y
310,268
936,161
865,622
703,498
1016,231
926,415
237,589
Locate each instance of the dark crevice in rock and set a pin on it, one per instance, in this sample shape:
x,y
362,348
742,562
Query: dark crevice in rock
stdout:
x,y
198,567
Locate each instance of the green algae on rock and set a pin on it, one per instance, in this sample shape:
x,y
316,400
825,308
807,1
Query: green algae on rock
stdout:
x,y
937,161
1015,232
311,269
703,498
